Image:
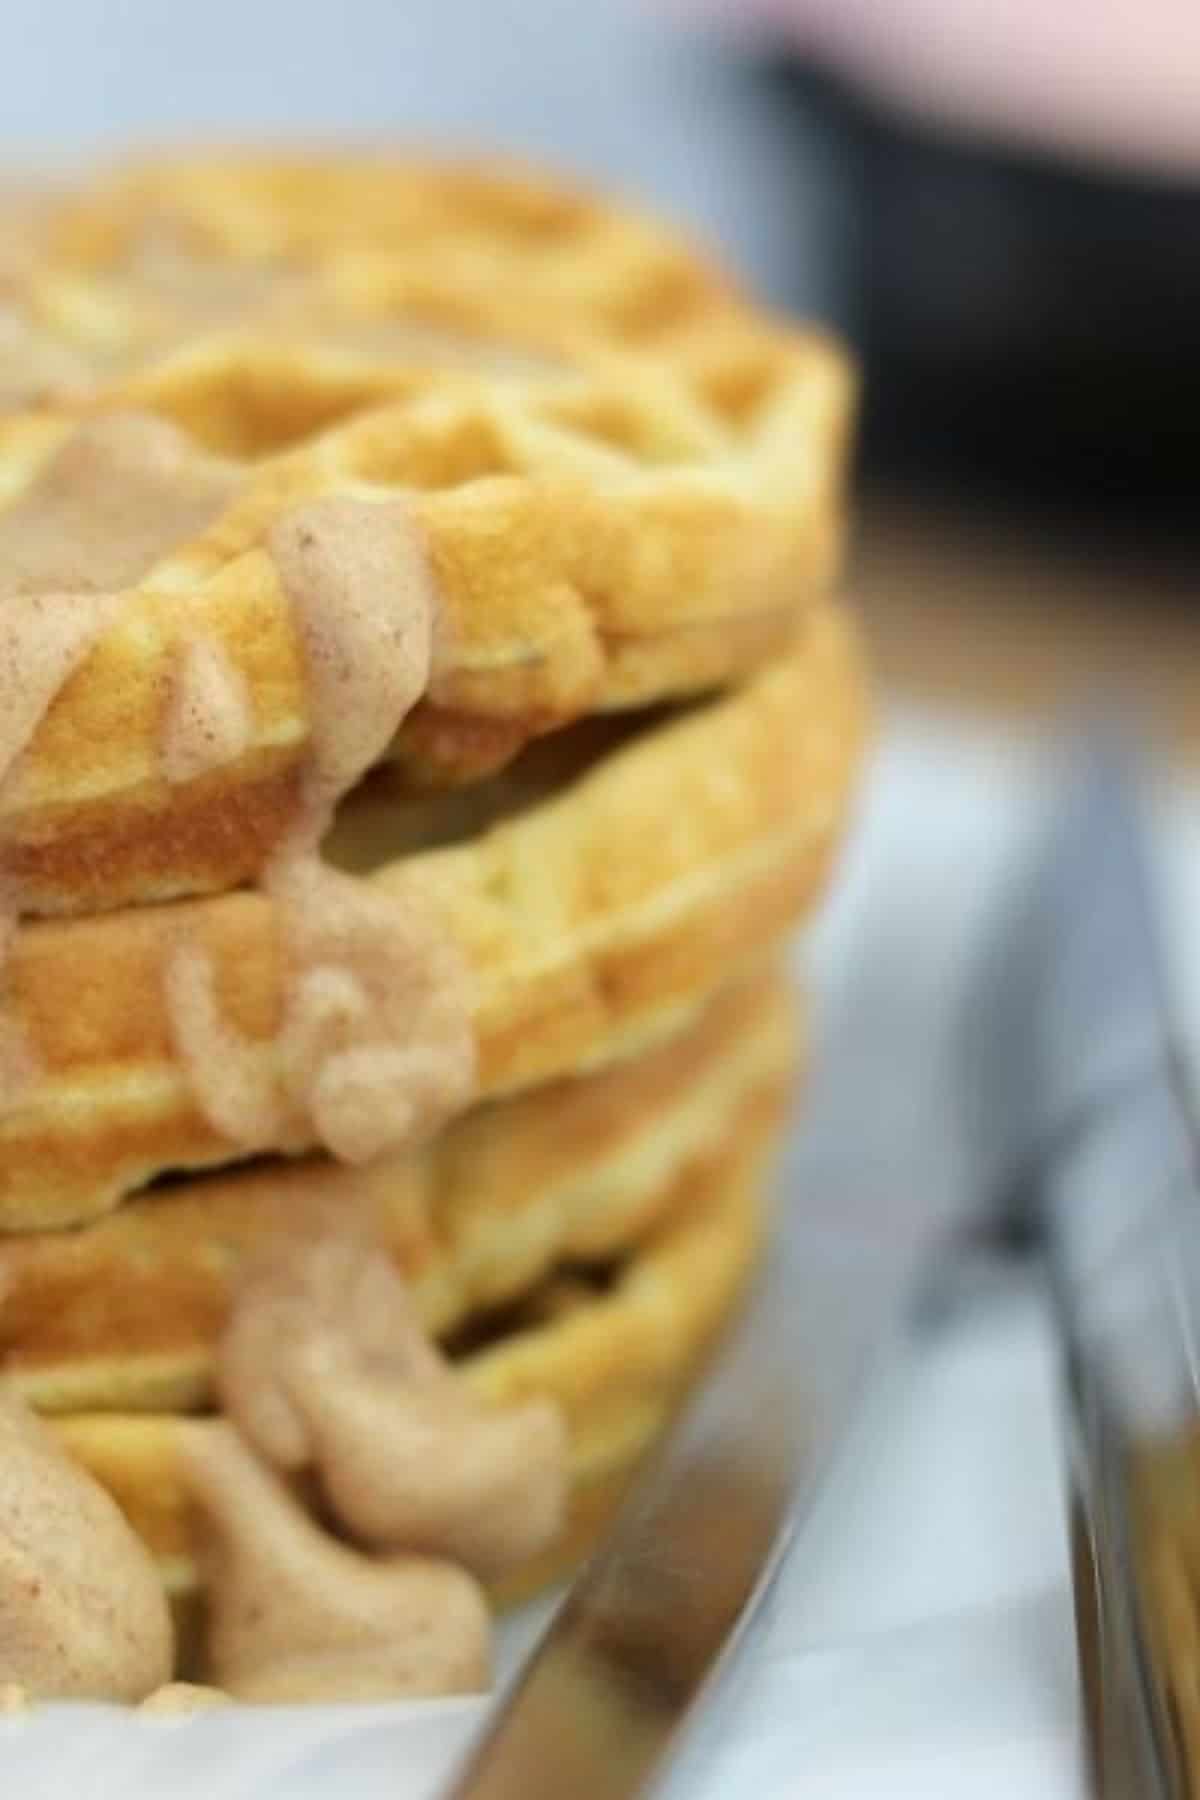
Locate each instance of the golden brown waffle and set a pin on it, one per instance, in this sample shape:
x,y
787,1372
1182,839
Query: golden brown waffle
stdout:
x,y
122,1314
615,1358
591,924
605,527
156,252
563,588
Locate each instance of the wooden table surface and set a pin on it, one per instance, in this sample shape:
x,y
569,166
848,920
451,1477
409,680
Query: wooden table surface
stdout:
x,y
998,616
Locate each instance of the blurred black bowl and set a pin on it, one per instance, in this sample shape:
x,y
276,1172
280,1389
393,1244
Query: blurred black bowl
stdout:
x,y
1028,327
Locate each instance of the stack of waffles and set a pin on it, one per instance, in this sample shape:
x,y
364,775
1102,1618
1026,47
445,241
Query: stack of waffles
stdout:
x,y
423,718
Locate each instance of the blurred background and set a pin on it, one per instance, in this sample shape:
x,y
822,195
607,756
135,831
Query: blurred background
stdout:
x,y
998,200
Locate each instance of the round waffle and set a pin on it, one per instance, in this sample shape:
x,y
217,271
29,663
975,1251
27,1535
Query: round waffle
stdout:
x,y
589,923
122,1314
614,1355
604,528
469,259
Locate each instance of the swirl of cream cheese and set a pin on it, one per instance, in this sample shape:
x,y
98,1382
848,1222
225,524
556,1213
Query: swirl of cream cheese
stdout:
x,y
294,1615
325,1365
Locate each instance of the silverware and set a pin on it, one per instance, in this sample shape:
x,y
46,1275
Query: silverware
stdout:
x,y
643,1640
1077,1051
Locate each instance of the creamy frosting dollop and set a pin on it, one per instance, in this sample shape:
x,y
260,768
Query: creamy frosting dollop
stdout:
x,y
293,1615
83,1613
324,1365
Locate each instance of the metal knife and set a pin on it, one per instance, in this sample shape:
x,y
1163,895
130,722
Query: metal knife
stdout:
x,y
644,1638
1078,1054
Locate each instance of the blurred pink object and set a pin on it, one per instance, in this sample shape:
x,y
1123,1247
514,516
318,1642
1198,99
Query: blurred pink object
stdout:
x,y
1117,80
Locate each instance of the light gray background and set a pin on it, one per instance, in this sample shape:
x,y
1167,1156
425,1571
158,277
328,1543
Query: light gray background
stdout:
x,y
605,87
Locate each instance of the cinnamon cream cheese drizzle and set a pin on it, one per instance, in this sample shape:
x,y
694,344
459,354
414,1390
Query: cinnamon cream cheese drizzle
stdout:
x,y
293,1615
120,492
325,1373
324,1365
208,721
83,1614
374,1044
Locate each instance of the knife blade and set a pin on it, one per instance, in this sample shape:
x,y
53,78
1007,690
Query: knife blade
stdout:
x,y
1077,1047
651,1627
